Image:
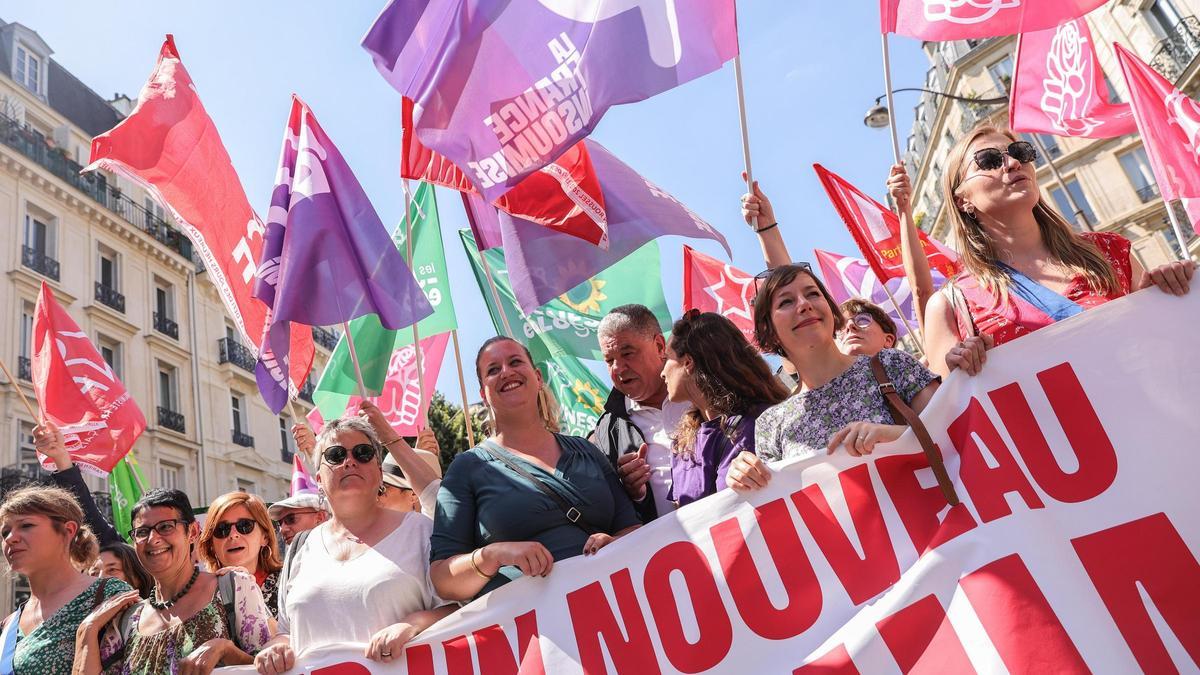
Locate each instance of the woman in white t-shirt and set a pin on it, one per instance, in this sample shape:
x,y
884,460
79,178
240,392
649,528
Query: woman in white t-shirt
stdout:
x,y
363,551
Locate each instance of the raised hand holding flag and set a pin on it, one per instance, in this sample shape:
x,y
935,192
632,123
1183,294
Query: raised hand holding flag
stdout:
x,y
327,257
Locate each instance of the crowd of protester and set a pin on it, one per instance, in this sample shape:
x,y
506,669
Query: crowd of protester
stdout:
x,y
388,546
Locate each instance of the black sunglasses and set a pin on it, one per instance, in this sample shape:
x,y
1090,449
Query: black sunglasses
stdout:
x,y
989,159
363,453
164,528
244,527
763,275
291,518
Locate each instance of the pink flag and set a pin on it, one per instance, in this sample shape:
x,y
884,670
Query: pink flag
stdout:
x,y
1169,123
710,285
944,20
79,392
847,277
302,481
169,145
400,401
1058,86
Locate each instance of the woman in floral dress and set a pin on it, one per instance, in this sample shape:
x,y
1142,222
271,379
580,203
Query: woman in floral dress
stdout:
x,y
184,625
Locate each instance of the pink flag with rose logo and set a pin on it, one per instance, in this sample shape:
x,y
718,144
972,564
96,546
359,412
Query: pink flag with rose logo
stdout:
x,y
1058,86
1169,123
943,20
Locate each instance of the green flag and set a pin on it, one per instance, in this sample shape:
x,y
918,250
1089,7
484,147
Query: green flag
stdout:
x,y
572,319
580,394
124,491
374,343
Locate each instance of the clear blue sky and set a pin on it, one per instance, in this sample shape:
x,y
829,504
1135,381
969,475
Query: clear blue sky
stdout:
x,y
811,68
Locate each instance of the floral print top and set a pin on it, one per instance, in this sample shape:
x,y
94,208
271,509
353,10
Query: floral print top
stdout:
x,y
50,648
802,425
162,652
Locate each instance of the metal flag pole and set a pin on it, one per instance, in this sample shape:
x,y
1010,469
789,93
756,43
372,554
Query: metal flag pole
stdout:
x,y
416,333
1081,218
1175,225
462,386
201,453
362,389
891,104
904,319
741,98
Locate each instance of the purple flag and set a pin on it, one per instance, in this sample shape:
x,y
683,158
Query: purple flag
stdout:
x,y
543,264
326,256
502,88
484,219
847,277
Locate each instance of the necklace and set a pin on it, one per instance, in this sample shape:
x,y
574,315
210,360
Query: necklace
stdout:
x,y
160,605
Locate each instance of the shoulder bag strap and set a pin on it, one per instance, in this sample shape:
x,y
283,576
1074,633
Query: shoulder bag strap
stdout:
x,y
901,410
570,512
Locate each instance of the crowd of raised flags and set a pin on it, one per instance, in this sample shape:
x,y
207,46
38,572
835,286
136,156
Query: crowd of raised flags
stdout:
x,y
562,231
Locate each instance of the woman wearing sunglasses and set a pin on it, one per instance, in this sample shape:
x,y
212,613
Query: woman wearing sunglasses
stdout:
x,y
838,403
363,575
238,533
526,497
191,623
1023,266
710,363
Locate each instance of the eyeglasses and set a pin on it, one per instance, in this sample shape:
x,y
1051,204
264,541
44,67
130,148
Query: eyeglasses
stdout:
x,y
363,453
290,518
244,526
861,321
164,528
989,159
763,275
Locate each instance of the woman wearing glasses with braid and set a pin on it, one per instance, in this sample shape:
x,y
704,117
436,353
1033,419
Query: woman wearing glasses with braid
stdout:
x,y
238,534
361,576
1023,266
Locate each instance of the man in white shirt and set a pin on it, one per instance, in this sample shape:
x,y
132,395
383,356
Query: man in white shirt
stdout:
x,y
635,429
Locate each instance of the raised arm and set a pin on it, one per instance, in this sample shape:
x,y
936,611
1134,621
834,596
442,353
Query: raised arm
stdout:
x,y
419,473
916,264
760,216
48,439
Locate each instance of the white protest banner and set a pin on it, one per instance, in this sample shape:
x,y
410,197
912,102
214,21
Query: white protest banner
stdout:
x,y
1075,547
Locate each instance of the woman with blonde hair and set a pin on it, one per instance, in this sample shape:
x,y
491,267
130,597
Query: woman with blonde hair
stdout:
x,y
238,533
526,497
1023,266
46,541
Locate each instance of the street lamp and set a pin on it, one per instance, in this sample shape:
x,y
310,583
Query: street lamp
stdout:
x,y
879,116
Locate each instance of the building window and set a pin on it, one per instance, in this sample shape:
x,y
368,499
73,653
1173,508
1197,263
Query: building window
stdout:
x,y
1060,200
1002,73
246,486
1137,169
29,70
287,447
238,408
1163,17
170,476
25,345
108,267
164,308
39,245
1049,147
27,459
168,387
153,208
111,351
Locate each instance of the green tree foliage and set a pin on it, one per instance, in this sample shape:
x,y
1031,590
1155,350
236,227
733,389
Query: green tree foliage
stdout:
x,y
446,420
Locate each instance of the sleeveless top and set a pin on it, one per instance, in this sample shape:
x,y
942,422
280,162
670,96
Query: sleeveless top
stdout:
x,y
1032,306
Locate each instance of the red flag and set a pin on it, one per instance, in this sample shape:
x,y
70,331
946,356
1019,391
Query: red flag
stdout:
x,y
79,392
1058,86
1169,123
876,230
564,195
944,20
400,400
710,285
169,145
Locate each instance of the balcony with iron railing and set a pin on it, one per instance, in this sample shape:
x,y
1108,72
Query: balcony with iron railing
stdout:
x,y
166,326
107,295
39,262
171,419
306,392
19,475
232,351
32,144
1175,53
243,439
286,454
1148,193
24,368
325,337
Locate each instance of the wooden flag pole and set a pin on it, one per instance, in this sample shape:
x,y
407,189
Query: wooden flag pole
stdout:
x,y
133,469
16,387
362,389
416,333
462,386
1175,225
487,272
904,319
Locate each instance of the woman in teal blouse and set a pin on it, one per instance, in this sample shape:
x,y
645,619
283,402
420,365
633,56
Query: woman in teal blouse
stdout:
x,y
505,507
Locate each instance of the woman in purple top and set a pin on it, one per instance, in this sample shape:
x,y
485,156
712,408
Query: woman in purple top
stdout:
x,y
710,363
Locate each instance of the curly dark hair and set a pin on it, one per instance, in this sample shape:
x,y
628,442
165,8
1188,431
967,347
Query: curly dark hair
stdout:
x,y
729,371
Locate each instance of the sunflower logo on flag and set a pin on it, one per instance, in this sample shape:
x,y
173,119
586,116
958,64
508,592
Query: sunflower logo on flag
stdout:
x,y
589,304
